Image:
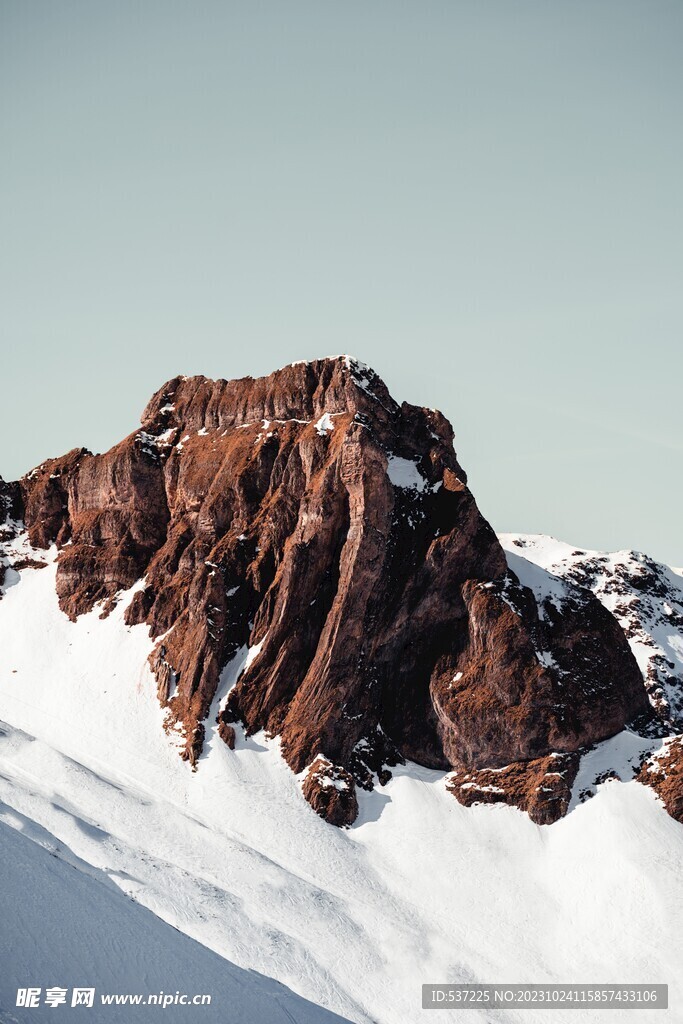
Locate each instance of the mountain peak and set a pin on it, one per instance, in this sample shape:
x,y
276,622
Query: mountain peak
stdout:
x,y
301,390
310,561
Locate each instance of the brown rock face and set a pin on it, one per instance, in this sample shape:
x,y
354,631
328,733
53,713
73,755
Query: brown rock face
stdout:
x,y
664,774
310,517
226,733
331,792
541,787
530,677
646,599
46,499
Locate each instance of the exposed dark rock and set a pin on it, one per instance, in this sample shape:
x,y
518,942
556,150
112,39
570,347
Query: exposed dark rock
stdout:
x,y
527,683
28,563
541,787
226,733
645,597
664,774
331,792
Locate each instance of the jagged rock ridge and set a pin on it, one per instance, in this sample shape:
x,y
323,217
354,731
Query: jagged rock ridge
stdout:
x,y
646,598
309,517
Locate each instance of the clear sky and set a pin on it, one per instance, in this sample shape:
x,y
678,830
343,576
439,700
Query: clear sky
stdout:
x,y
480,198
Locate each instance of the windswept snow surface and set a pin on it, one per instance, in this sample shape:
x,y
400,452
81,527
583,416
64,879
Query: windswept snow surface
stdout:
x,y
419,890
70,927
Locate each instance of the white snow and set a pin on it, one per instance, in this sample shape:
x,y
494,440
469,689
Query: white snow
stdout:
x,y
420,889
253,652
405,473
327,783
482,789
620,757
67,924
324,424
544,585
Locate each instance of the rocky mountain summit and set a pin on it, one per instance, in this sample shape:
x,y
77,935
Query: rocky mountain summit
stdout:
x,y
309,560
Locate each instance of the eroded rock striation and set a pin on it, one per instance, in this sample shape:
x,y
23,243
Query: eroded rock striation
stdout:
x,y
541,786
307,527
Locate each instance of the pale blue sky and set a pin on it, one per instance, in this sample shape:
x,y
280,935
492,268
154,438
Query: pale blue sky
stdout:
x,y
481,199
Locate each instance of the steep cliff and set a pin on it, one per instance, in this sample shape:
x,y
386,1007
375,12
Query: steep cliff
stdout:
x,y
312,555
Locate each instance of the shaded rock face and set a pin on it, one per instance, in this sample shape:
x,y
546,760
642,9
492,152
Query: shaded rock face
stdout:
x,y
10,514
644,596
310,517
532,675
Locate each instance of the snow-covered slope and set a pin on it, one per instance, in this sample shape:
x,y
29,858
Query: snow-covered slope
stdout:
x,y
645,596
67,928
419,890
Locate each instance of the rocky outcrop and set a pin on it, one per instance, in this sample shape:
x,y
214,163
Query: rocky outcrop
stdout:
x,y
309,517
331,792
542,787
226,733
531,674
45,499
10,514
664,774
644,596
10,503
